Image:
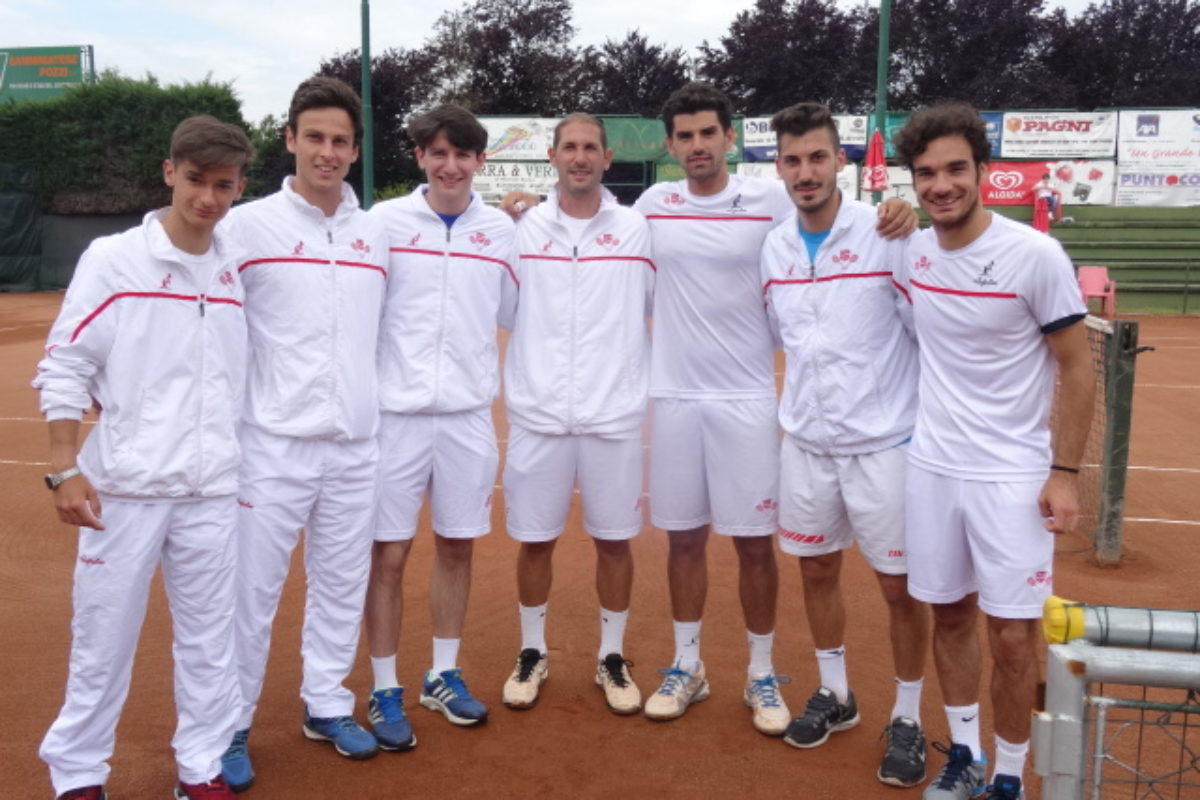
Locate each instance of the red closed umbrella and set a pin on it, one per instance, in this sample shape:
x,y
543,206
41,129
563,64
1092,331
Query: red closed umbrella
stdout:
x,y
1041,215
875,175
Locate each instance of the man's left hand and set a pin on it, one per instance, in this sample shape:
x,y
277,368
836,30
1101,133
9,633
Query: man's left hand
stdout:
x,y
897,219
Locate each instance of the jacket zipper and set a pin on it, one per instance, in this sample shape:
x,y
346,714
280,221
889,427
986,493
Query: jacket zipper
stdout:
x,y
441,341
571,357
200,404
334,308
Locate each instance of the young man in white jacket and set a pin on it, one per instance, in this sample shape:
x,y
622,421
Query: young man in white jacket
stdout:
x,y
451,281
315,277
849,400
576,382
152,335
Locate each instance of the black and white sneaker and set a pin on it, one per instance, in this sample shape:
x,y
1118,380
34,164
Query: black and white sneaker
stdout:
x,y
822,716
904,754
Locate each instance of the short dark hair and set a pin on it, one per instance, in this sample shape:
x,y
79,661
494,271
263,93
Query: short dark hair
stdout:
x,y
322,91
460,126
950,118
582,116
209,143
694,97
801,118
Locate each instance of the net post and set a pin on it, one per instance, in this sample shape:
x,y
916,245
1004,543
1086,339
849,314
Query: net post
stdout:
x,y
1120,356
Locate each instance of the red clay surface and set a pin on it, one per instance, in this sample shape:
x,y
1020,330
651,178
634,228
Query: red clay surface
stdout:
x,y
569,745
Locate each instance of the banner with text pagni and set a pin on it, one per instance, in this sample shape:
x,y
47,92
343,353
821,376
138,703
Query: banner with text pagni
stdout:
x,y
1160,139
1010,183
1059,134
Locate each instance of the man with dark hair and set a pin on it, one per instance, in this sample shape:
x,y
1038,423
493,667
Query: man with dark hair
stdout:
x,y
451,281
849,399
996,310
576,379
152,331
315,276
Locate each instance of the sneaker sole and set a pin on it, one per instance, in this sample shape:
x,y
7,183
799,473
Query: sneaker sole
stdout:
x,y
701,693
765,731
621,712
841,726
433,704
237,788
519,705
890,781
361,755
403,747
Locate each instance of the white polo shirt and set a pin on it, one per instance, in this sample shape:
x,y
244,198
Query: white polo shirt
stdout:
x,y
981,315
711,336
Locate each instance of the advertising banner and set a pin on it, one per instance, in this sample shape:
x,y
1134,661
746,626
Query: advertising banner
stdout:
x,y
1059,134
994,123
518,138
760,139
497,178
636,138
1010,183
1160,139
1158,186
39,73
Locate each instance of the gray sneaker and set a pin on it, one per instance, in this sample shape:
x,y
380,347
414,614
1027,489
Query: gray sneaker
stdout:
x,y
960,779
904,754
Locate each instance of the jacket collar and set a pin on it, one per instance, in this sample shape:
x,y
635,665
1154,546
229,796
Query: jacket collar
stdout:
x,y
421,203
608,201
347,206
161,247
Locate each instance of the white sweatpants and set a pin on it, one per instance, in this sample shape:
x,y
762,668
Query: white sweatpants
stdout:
x,y
328,489
195,543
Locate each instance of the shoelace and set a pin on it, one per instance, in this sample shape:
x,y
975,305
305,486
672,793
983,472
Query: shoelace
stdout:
x,y
453,681
237,748
955,770
614,665
673,680
390,704
767,689
822,706
906,738
526,661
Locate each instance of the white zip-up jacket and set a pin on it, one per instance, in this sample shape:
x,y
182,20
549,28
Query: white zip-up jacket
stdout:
x,y
314,294
851,380
579,355
162,352
447,290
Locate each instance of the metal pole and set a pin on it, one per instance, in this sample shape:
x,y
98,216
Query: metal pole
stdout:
x,y
881,76
368,142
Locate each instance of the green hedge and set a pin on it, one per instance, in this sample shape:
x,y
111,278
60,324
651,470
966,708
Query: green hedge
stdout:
x,y
98,148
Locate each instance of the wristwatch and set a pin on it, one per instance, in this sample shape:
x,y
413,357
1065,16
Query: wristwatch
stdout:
x,y
55,479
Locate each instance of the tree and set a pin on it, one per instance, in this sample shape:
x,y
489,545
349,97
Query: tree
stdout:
x,y
630,76
779,53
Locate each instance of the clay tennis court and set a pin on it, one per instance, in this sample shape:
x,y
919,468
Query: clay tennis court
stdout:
x,y
569,745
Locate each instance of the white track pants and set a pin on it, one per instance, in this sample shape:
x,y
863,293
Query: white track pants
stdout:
x,y
195,543
328,489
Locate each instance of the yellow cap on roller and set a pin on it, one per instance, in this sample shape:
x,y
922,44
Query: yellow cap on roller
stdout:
x,y
1062,620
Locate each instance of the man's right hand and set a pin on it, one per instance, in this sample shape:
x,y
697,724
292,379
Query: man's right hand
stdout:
x,y
517,203
77,503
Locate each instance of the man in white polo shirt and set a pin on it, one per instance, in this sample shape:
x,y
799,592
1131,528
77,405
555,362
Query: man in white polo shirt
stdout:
x,y
849,400
996,311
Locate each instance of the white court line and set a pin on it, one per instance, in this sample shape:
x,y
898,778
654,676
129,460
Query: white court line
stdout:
x,y
39,419
1163,521
1164,386
1192,470
26,463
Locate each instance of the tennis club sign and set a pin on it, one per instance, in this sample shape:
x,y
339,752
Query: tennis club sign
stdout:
x,y
39,73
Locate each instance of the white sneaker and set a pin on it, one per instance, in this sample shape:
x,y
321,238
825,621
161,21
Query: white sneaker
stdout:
x,y
621,693
531,671
679,690
771,715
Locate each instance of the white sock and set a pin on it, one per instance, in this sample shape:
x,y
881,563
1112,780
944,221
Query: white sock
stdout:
x,y
831,664
1010,758
964,727
612,631
760,654
384,670
533,627
908,699
687,645
445,654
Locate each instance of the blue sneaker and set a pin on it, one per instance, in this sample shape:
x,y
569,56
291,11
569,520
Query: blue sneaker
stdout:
x,y
960,779
385,710
347,736
235,763
446,692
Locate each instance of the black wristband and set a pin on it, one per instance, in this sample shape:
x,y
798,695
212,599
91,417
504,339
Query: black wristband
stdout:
x,y
1061,468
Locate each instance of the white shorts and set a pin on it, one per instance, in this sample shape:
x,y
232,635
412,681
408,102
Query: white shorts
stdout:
x,y
715,461
453,457
826,503
540,473
978,536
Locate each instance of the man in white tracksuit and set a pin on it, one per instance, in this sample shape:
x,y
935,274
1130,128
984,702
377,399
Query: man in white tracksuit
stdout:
x,y
848,405
451,281
576,382
152,334
315,280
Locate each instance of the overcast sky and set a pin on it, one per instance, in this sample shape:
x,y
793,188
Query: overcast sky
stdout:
x,y
265,47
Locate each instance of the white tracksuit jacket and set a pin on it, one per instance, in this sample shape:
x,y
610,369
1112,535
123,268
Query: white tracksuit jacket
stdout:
x,y
851,381
162,352
447,290
579,356
314,294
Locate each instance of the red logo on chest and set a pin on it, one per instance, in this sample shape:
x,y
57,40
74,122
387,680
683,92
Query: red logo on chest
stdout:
x,y
607,241
226,278
360,246
922,264
480,240
673,199
298,250
845,257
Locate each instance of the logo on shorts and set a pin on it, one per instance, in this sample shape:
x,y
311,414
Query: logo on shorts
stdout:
x,y
91,560
245,503
360,246
607,241
767,505
166,282
895,554
1039,578
480,239
922,264
845,257
298,250
673,199
414,240
985,278
803,538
